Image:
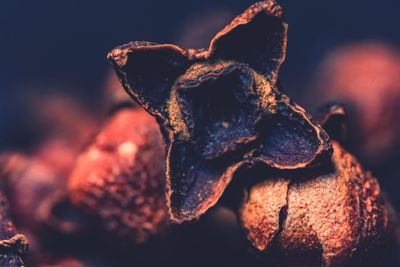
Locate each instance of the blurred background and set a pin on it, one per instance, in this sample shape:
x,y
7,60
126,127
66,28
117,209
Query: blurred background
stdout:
x,y
58,48
55,80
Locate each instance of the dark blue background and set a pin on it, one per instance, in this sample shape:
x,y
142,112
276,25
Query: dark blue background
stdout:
x,y
62,45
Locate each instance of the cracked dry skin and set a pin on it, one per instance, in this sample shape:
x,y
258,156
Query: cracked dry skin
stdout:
x,y
120,176
220,109
336,217
13,246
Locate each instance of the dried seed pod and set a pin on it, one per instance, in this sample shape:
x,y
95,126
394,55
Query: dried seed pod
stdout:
x,y
331,216
58,216
37,193
13,246
120,176
44,171
34,180
221,108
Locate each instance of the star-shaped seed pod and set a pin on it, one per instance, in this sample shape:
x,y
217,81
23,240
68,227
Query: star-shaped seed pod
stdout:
x,y
220,109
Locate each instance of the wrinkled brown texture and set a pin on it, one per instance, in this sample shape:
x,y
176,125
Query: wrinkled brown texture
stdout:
x,y
13,246
332,216
120,176
260,213
220,108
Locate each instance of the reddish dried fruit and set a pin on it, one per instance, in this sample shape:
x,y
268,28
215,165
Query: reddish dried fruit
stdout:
x,y
220,109
37,193
43,171
29,182
58,154
366,77
13,246
120,176
335,215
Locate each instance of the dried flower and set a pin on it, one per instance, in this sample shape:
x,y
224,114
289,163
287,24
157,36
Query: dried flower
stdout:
x,y
120,176
220,109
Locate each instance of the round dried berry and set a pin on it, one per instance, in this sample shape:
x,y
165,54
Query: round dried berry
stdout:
x,y
120,176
